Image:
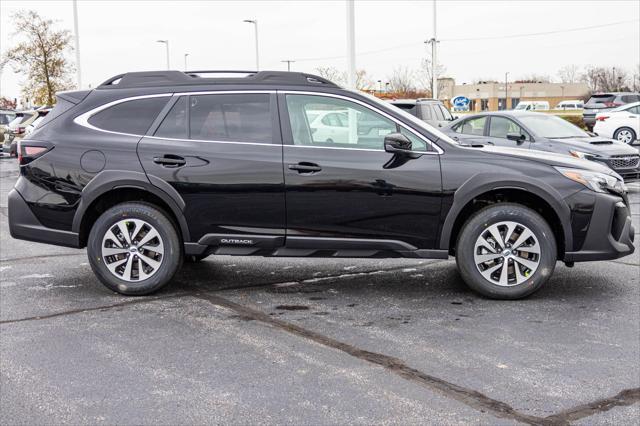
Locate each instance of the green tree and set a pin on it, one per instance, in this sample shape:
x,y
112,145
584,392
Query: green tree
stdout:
x,y
40,56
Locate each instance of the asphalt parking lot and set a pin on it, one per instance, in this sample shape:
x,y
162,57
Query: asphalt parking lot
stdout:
x,y
313,341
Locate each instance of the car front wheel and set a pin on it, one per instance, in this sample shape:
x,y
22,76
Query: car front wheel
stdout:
x,y
134,248
506,251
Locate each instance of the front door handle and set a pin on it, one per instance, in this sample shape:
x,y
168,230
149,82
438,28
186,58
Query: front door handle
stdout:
x,y
305,168
170,161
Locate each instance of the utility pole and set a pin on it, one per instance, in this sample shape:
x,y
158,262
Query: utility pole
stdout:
x,y
166,43
434,56
289,62
77,44
351,44
255,27
506,89
185,61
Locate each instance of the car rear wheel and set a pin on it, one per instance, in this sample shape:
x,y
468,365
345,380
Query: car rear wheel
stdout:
x,y
134,249
506,251
626,135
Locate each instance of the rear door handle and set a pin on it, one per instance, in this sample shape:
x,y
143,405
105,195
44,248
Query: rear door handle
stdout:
x,y
305,168
170,161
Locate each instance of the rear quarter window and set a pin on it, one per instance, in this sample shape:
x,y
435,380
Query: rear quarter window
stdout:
x,y
133,117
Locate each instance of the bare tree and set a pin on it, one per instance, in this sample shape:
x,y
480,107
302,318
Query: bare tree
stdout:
x,y
602,79
535,78
402,81
41,56
332,74
569,73
635,79
426,75
363,82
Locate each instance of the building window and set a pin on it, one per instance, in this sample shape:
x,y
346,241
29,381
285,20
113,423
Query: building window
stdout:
x,y
514,102
484,104
502,102
472,105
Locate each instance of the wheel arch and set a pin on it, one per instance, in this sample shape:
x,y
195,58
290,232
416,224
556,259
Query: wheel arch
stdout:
x,y
114,186
482,190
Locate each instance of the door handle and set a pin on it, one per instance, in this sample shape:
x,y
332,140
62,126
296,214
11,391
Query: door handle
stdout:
x,y
170,161
305,168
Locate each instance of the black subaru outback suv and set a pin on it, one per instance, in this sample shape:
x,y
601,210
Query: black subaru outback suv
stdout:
x,y
154,168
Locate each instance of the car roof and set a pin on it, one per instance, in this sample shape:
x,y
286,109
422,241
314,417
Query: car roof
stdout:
x,y
510,113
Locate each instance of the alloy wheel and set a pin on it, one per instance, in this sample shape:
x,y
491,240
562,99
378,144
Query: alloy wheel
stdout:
x,y
507,253
625,136
132,250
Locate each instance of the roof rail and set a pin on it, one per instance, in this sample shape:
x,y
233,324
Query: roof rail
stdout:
x,y
191,78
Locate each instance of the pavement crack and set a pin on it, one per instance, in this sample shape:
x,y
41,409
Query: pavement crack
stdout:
x,y
623,398
96,308
467,396
624,263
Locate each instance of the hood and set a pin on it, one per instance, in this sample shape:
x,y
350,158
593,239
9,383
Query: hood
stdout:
x,y
548,158
592,145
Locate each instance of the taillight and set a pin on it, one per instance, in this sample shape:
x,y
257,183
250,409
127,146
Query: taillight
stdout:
x,y
30,150
602,117
612,104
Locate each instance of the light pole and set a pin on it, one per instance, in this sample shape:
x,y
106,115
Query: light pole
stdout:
x,y
289,62
76,37
166,43
351,44
434,57
506,89
185,61
255,26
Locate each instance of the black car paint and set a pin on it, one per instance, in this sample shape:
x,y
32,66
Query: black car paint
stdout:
x,y
247,193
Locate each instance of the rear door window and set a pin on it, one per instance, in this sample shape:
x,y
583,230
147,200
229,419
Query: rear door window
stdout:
x,y
131,117
438,112
174,124
600,100
473,126
242,117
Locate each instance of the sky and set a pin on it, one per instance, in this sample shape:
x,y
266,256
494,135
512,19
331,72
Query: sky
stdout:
x,y
479,39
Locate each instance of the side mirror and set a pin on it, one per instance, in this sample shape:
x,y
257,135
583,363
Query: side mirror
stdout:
x,y
517,137
397,143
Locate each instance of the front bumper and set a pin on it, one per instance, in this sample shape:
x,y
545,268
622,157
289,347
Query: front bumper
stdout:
x,y
609,233
24,225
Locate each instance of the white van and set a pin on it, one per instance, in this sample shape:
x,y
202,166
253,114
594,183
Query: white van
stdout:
x,y
572,104
533,106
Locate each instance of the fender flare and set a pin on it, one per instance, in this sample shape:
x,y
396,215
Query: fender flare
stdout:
x,y
486,182
109,180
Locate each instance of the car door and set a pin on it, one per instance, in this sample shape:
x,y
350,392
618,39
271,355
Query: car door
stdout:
x,y
222,153
498,129
354,194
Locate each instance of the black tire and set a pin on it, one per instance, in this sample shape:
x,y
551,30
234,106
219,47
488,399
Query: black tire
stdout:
x,y
630,130
170,261
478,224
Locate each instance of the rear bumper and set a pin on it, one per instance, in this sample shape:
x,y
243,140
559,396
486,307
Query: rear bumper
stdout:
x,y
23,225
610,234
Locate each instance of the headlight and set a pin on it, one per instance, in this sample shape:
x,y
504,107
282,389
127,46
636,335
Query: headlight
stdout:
x,y
583,155
599,182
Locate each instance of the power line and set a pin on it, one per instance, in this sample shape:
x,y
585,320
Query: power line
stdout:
x,y
568,30
400,46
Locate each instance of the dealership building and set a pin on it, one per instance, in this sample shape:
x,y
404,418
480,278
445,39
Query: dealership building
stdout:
x,y
491,96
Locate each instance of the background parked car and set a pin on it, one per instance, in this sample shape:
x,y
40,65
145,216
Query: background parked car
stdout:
x,y
601,102
571,104
545,132
532,106
622,123
430,110
18,129
6,117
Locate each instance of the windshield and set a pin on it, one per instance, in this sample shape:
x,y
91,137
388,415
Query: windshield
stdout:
x,y
550,126
415,122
